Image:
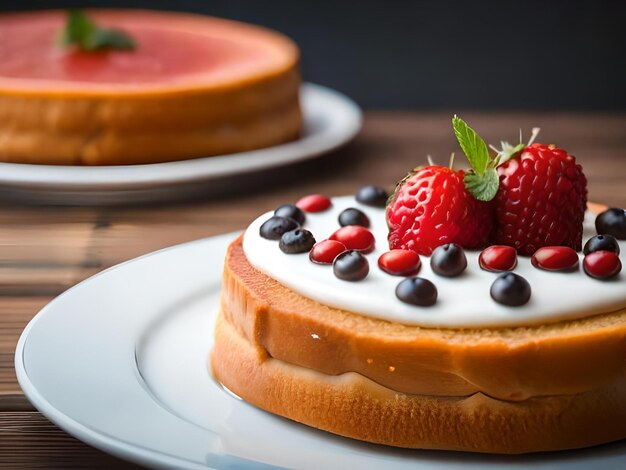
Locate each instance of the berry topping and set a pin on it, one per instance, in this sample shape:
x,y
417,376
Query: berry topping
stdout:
x,y
372,196
448,260
351,266
555,258
292,212
400,262
417,291
539,191
296,241
355,237
541,200
314,203
510,289
612,222
353,216
602,264
431,207
274,227
326,251
498,258
601,242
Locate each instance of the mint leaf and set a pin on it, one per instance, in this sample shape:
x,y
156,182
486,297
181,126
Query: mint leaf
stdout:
x,y
473,145
77,27
482,181
485,187
111,39
79,30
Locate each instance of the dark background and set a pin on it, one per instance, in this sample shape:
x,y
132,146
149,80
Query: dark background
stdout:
x,y
444,54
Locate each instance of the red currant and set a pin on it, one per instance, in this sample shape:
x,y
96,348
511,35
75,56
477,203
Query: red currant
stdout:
x,y
602,264
498,258
326,251
400,262
355,237
555,258
314,203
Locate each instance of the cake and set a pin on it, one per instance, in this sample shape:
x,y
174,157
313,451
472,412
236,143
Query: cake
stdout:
x,y
191,86
408,339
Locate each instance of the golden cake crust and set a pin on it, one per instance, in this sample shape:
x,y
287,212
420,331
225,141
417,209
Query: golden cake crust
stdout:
x,y
42,122
353,406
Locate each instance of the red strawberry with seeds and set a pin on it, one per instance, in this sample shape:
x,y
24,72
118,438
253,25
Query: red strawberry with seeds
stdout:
x,y
540,191
436,205
432,207
541,200
540,197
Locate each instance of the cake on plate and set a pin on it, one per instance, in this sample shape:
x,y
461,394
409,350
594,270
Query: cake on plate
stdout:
x,y
144,87
459,314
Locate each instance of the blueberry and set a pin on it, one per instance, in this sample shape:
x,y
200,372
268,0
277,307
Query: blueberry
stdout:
x,y
290,211
351,266
448,260
510,289
372,196
274,227
612,222
296,241
353,216
417,291
601,243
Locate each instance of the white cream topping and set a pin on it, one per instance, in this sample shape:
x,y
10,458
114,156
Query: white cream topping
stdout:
x,y
463,302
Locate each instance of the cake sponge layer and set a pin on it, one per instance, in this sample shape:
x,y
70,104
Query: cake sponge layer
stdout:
x,y
354,406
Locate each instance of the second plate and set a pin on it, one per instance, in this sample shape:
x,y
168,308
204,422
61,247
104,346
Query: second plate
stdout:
x,y
330,120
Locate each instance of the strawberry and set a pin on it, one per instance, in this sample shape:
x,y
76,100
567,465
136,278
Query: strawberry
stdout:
x,y
432,207
540,192
435,205
541,200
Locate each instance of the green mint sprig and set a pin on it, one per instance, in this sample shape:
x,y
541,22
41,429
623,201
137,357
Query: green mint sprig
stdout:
x,y
482,181
472,144
485,187
81,31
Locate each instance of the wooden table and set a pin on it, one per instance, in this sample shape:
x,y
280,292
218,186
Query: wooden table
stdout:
x,y
45,250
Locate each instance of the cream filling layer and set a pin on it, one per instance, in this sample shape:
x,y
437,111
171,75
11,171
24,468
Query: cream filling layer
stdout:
x,y
463,302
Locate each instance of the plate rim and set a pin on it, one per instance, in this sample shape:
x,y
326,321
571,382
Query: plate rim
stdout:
x,y
347,115
97,439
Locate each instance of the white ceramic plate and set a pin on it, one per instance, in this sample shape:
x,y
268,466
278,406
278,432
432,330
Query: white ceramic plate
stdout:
x,y
120,362
330,120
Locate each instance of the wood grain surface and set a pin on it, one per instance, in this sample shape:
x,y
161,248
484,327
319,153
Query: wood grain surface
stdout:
x,y
45,250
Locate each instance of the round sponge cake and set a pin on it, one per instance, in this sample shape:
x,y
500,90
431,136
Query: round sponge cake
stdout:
x,y
506,390
194,86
